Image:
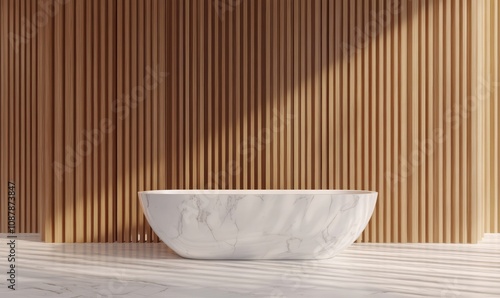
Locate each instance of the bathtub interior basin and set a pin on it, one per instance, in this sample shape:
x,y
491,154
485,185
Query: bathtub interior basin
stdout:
x,y
258,224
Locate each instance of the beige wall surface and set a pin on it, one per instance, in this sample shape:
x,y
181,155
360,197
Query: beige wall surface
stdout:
x,y
107,98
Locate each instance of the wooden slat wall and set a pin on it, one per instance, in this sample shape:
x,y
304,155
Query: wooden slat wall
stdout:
x,y
77,82
254,94
379,119
18,113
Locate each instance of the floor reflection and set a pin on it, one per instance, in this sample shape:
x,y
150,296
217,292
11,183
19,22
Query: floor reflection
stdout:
x,y
153,270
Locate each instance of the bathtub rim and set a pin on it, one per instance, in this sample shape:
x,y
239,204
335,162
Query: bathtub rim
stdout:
x,y
257,192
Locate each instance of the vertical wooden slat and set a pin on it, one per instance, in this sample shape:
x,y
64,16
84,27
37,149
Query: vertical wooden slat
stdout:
x,y
395,188
324,70
21,117
103,87
143,111
316,95
192,148
256,97
69,109
296,94
464,169
344,132
120,88
477,116
246,91
96,112
111,121
338,64
59,180
88,120
482,117
137,55
496,123
455,160
404,124
216,98
201,94
422,122
439,120
494,225
289,89
389,79
128,83
281,98
447,84
175,74
222,174
260,91
350,96
488,120
309,132
209,96
229,130
268,93
331,56
380,126
80,101
275,100
182,89
366,115
431,86
146,117
26,216
34,201
302,91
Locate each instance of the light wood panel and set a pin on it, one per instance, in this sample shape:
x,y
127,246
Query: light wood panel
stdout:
x,y
492,141
130,95
477,101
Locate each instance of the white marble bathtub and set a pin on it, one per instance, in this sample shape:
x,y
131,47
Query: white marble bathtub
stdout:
x,y
258,224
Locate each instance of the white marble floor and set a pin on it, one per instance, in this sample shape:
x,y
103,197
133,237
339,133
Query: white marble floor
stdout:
x,y
152,270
